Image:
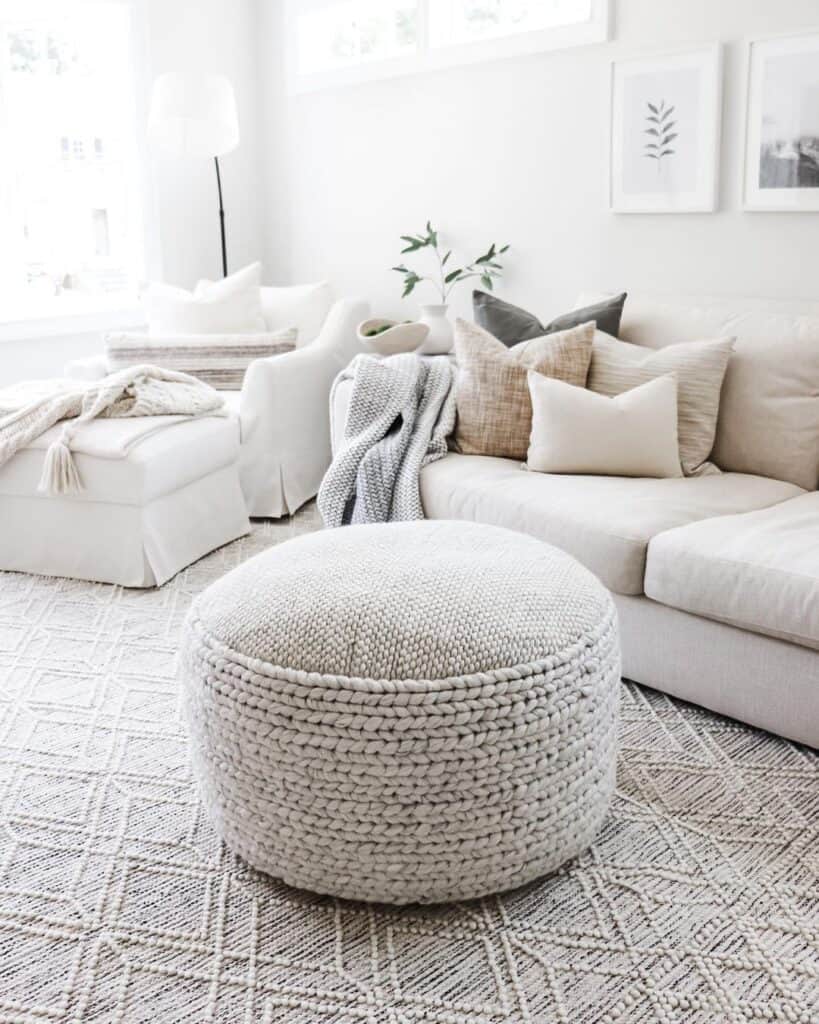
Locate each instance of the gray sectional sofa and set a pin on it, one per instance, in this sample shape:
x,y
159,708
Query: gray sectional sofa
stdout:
x,y
716,578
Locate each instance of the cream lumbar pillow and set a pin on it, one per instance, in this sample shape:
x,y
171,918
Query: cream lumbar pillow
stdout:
x,y
231,306
578,431
699,367
492,396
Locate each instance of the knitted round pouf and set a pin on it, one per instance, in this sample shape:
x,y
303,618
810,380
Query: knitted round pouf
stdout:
x,y
414,712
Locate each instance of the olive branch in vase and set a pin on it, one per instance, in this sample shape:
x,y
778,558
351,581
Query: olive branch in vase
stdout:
x,y
661,132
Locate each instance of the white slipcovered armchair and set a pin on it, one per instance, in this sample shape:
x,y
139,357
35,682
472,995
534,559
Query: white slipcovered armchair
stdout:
x,y
283,409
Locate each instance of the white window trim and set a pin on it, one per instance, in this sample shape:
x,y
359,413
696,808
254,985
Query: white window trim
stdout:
x,y
428,58
128,314
70,325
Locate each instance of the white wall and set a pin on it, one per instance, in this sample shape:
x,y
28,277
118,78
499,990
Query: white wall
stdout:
x,y
516,151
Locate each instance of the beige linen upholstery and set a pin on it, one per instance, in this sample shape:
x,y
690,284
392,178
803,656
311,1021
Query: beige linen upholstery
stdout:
x,y
768,683
605,522
699,368
494,407
577,431
769,410
759,571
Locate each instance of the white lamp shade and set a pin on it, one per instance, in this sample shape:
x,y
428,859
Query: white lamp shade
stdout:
x,y
193,115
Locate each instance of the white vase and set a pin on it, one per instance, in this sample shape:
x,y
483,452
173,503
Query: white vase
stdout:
x,y
440,338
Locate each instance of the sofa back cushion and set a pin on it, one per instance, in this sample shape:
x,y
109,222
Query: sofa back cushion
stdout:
x,y
769,410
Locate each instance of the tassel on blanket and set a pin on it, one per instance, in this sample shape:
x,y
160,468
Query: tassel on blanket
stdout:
x,y
60,474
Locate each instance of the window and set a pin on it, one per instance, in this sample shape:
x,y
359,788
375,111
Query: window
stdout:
x,y
336,41
340,35
71,237
455,22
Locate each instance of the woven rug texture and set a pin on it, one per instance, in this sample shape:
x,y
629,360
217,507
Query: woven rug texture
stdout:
x,y
698,903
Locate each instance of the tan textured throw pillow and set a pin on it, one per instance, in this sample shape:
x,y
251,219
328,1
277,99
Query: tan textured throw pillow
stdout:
x,y
494,406
699,368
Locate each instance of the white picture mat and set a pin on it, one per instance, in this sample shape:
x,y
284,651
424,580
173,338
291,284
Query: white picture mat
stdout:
x,y
759,52
693,81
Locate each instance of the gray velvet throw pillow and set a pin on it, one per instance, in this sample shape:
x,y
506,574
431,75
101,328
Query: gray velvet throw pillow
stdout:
x,y
511,324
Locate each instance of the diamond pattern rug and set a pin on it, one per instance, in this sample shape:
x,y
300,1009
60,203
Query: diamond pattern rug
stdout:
x,y
698,903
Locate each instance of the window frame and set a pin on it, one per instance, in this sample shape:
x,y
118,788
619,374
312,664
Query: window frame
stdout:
x,y
112,311
432,58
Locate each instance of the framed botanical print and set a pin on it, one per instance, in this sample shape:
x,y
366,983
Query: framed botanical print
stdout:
x,y
782,124
665,132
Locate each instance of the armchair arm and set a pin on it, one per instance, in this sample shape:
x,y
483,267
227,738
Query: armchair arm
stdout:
x,y
285,416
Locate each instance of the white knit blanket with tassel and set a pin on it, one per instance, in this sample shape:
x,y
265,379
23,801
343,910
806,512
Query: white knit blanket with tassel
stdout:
x,y
145,390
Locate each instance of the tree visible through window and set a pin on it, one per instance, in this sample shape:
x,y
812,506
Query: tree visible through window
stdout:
x,y
70,213
338,41
349,32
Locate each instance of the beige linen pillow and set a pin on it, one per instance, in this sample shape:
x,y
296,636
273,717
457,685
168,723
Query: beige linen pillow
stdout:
x,y
699,367
494,407
578,431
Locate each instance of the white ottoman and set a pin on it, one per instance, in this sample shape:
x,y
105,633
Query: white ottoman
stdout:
x,y
405,713
159,493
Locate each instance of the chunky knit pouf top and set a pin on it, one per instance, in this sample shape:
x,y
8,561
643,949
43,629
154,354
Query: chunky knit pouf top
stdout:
x,y
416,712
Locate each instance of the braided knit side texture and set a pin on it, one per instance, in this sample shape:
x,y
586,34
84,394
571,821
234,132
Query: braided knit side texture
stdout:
x,y
405,713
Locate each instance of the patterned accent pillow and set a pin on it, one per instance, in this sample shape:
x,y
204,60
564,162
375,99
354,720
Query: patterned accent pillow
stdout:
x,y
699,367
217,359
493,401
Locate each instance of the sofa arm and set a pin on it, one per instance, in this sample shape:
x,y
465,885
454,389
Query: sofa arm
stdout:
x,y
92,368
285,416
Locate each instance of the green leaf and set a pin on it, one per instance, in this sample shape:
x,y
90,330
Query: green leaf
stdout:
x,y
486,281
453,275
503,250
445,260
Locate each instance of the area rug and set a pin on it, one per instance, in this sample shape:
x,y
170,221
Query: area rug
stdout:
x,y
698,903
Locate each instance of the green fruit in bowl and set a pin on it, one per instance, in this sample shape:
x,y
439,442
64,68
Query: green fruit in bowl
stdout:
x,y
380,330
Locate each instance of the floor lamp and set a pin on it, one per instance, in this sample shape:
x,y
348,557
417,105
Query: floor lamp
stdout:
x,y
194,116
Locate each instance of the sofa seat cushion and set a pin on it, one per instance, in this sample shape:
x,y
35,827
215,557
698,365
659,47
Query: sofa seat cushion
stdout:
x,y
758,570
605,522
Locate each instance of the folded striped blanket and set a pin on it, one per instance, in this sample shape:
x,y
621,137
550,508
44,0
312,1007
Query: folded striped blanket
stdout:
x,y
220,360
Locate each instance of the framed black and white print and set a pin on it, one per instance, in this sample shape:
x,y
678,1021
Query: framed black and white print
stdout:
x,y
665,132
782,124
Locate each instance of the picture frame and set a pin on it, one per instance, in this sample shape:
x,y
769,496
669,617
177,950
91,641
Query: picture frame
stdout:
x,y
781,164
666,118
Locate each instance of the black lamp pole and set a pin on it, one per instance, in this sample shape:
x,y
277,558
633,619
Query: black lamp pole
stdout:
x,y
221,217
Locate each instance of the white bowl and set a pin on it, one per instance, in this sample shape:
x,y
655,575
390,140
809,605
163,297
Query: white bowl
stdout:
x,y
398,338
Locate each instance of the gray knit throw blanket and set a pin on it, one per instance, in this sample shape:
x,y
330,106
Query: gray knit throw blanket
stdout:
x,y
401,411
136,391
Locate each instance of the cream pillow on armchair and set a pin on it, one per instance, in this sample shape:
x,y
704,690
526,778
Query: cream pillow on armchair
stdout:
x,y
579,431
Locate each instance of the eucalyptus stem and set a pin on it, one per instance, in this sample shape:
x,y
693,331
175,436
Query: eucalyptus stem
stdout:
x,y
486,267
